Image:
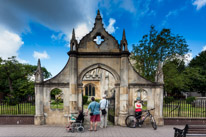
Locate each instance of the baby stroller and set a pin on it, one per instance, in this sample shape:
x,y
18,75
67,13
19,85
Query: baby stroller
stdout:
x,y
77,125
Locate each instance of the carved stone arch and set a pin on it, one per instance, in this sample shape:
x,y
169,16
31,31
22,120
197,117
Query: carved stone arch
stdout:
x,y
58,98
102,66
142,93
111,93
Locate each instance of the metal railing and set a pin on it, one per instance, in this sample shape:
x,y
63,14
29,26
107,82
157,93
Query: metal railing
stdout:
x,y
180,108
13,106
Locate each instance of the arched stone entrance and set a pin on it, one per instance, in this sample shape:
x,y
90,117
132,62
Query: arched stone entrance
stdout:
x,y
89,54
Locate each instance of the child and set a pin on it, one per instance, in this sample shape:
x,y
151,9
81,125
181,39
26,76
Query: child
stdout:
x,y
138,108
78,119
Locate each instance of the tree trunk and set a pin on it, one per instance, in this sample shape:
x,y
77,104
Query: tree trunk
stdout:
x,y
10,85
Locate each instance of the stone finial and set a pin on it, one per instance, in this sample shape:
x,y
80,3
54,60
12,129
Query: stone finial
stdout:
x,y
98,15
73,34
124,42
38,74
123,35
39,65
73,42
98,20
159,77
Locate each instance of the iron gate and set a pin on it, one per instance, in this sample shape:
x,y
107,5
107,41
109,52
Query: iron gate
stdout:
x,y
111,109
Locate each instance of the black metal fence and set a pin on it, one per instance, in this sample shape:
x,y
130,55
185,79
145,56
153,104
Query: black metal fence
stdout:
x,y
180,108
17,106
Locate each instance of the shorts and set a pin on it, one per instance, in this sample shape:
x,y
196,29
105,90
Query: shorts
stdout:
x,y
95,118
138,114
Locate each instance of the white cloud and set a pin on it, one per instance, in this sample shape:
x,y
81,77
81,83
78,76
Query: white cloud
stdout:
x,y
172,13
187,58
59,36
81,31
204,48
10,43
110,28
39,55
22,60
199,3
56,16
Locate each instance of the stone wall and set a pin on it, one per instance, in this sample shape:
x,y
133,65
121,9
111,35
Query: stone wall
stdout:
x,y
16,120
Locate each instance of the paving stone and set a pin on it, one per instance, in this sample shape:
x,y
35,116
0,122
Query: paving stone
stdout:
x,y
57,131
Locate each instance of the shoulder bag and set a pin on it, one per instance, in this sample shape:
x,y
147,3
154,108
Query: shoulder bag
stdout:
x,y
104,112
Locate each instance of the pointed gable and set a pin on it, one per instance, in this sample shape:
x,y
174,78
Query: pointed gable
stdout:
x,y
98,40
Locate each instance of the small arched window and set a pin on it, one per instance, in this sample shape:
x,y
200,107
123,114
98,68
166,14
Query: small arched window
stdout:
x,y
93,91
56,99
90,90
86,90
142,94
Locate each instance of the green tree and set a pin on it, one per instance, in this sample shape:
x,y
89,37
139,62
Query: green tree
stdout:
x,y
196,73
55,92
174,80
154,47
15,78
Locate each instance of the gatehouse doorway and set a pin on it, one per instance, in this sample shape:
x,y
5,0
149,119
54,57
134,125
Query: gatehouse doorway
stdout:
x,y
96,83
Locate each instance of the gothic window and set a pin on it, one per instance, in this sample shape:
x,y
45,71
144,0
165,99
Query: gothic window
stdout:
x,y
74,47
56,99
98,39
90,90
86,91
93,91
123,47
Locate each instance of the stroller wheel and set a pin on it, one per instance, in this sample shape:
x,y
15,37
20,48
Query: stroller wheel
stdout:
x,y
72,130
68,129
80,129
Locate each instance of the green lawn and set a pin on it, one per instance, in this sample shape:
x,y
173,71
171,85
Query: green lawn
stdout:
x,y
56,105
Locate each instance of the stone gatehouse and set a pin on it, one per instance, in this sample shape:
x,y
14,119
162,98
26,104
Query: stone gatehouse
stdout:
x,y
86,57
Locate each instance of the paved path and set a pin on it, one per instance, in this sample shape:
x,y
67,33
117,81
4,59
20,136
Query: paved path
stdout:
x,y
111,131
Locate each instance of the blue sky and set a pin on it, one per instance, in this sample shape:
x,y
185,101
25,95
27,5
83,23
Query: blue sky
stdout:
x,y
32,29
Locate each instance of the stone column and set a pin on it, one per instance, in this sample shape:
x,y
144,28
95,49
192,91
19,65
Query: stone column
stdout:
x,y
117,103
123,89
73,84
80,98
39,96
66,102
159,105
39,113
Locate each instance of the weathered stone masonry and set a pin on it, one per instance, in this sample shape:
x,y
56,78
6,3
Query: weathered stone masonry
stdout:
x,y
85,56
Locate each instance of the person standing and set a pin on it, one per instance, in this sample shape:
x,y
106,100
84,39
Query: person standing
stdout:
x,y
94,108
138,108
104,111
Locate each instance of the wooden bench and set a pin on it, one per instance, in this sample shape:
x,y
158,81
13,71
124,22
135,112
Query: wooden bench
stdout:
x,y
191,130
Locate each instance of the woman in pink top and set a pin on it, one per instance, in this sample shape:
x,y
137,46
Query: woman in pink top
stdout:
x,y
138,108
